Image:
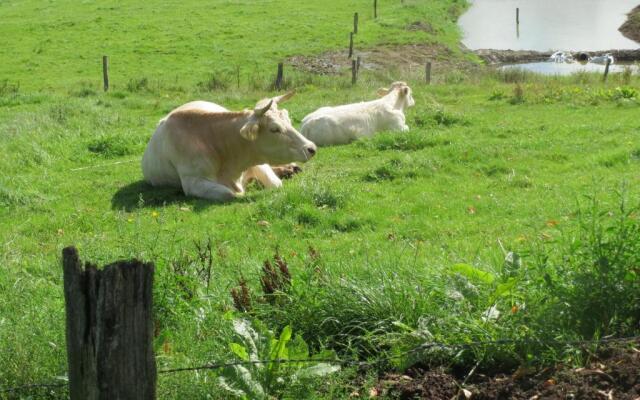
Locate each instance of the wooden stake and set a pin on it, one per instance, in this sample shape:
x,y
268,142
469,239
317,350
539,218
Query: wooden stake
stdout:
x,y
375,8
355,23
105,72
517,16
350,44
280,76
427,73
606,70
354,72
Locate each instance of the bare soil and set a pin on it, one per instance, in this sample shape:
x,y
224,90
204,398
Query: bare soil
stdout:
x,y
631,28
614,373
384,58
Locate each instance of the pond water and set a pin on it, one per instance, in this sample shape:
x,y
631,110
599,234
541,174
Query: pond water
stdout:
x,y
578,25
554,68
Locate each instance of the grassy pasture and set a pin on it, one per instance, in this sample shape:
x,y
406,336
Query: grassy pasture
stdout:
x,y
491,160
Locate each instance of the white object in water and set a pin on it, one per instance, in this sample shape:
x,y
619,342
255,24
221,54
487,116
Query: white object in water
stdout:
x,y
602,59
561,57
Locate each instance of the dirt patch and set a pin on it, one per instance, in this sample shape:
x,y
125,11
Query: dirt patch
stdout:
x,y
631,28
613,374
421,26
383,58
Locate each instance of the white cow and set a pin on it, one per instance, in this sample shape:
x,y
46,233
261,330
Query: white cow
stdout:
x,y
211,152
342,124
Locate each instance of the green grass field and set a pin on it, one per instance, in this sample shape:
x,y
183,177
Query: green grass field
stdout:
x,y
391,241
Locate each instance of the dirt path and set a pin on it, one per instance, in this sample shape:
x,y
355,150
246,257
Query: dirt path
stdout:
x,y
631,28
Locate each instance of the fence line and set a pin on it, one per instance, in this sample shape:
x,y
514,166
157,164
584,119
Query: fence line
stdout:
x,y
355,362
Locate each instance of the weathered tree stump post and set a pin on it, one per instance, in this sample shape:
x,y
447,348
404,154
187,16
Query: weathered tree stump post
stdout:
x,y
355,23
109,329
105,72
280,76
350,44
606,70
427,73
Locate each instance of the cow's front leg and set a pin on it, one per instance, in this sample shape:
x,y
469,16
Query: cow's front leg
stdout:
x,y
206,189
286,171
399,122
263,174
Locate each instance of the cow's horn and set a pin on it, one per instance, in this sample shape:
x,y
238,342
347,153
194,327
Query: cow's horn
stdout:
x,y
262,111
284,97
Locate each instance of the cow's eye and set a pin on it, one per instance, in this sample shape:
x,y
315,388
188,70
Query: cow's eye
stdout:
x,y
275,129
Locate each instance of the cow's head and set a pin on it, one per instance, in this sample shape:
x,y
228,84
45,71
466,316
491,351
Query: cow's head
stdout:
x,y
401,92
275,139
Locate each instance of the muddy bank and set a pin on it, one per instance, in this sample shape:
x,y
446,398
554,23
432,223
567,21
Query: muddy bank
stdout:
x,y
631,28
613,373
518,56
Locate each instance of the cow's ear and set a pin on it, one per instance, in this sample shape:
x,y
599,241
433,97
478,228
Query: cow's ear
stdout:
x,y
250,130
405,91
383,92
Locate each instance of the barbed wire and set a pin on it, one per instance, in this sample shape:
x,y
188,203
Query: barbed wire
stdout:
x,y
424,346
355,362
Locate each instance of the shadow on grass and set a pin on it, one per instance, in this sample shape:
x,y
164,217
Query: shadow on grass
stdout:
x,y
140,194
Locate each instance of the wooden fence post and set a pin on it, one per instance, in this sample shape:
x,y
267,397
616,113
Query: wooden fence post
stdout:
x,y
606,70
358,64
375,8
280,76
517,16
105,72
354,72
355,23
427,73
109,329
350,44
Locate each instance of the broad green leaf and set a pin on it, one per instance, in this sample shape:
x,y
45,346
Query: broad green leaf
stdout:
x,y
239,350
473,273
505,288
279,351
298,349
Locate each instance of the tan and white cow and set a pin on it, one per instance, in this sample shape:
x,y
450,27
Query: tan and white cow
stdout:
x,y
211,152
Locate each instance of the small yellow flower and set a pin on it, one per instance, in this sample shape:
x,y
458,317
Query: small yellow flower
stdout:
x,y
129,220
154,214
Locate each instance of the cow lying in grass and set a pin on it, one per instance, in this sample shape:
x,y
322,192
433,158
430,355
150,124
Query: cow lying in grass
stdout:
x,y
342,124
211,152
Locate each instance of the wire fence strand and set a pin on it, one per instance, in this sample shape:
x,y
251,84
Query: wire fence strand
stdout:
x,y
355,362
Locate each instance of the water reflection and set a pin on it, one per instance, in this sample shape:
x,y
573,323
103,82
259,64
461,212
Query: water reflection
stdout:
x,y
589,25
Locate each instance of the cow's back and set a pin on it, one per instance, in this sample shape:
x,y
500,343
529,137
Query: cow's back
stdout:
x,y
338,125
161,158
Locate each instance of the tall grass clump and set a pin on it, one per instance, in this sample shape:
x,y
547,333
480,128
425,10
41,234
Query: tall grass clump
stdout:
x,y
584,285
594,276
